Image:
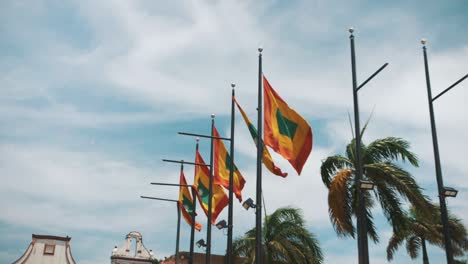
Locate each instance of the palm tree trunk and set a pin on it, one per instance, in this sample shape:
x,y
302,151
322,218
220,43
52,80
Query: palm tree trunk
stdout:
x,y
424,251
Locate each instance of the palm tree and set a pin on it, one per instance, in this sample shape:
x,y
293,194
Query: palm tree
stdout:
x,y
285,240
393,184
422,228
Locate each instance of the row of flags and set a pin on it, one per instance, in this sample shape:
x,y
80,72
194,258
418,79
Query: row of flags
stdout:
x,y
285,131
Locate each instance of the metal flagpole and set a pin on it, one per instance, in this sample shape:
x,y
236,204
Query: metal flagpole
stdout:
x,y
210,200
258,209
178,234
192,231
231,182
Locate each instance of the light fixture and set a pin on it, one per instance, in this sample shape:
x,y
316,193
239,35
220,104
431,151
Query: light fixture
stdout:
x,y
450,192
221,224
114,250
201,243
248,204
366,185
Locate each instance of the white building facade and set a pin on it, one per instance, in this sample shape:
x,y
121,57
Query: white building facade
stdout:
x,y
46,249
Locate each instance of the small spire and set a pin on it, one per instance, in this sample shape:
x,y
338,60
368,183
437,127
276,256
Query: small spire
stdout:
x,y
423,42
260,49
212,116
351,30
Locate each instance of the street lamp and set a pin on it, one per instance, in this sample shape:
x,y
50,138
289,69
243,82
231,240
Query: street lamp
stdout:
x,y
366,185
201,243
450,192
438,167
363,250
249,204
221,224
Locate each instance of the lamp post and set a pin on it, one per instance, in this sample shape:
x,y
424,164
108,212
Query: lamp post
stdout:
x,y
194,204
440,183
178,222
363,251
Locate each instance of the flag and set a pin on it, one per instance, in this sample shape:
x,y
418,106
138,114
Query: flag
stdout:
x,y
186,202
286,132
222,166
219,199
267,160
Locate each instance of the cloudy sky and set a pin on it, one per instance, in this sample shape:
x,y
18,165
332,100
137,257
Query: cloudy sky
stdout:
x,y
94,93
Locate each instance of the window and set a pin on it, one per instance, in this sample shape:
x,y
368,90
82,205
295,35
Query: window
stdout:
x,y
49,249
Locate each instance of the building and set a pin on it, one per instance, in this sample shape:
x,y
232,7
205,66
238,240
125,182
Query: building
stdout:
x,y
45,249
199,258
126,255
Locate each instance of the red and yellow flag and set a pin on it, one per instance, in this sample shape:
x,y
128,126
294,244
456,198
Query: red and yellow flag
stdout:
x,y
219,199
186,202
222,166
267,160
286,132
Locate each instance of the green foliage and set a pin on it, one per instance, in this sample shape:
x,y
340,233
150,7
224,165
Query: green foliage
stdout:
x,y
155,261
422,227
393,184
285,239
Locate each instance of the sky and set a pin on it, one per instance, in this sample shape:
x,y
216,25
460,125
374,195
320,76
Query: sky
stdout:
x,y
93,94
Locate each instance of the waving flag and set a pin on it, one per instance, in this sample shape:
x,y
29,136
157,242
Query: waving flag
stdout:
x,y
267,160
186,202
222,166
201,183
286,132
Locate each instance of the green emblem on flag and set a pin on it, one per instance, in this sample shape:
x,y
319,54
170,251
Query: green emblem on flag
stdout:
x,y
203,192
187,204
286,127
229,163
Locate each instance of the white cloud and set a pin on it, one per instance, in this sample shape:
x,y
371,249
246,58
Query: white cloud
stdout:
x,y
176,61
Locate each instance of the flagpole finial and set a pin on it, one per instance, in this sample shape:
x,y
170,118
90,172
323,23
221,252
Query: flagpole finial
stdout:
x,y
351,30
233,85
212,116
423,42
197,139
260,49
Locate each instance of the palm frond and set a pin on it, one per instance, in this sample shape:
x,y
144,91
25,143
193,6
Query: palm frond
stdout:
x,y
401,181
389,149
391,205
413,244
331,166
371,229
394,243
339,202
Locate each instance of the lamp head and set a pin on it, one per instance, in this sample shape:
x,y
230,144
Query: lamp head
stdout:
x,y
366,185
221,224
201,243
450,192
248,204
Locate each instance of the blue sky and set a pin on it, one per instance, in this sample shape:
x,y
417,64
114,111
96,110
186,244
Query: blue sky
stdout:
x,y
94,93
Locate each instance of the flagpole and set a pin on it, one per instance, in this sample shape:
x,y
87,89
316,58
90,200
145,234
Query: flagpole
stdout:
x,y
178,234
231,180
192,231
210,200
258,209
